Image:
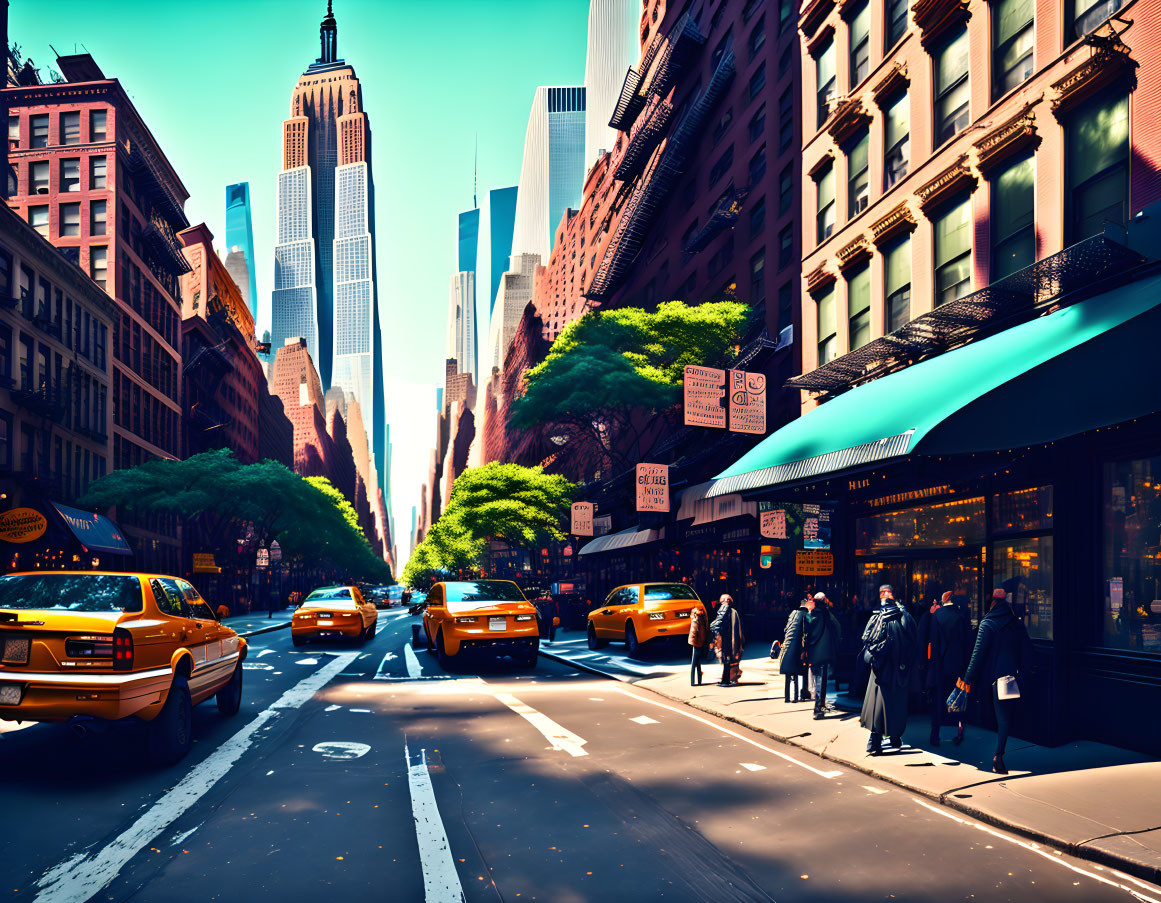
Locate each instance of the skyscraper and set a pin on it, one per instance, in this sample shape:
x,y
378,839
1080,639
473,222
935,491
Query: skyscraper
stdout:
x,y
469,239
240,244
553,171
501,219
612,49
461,322
324,257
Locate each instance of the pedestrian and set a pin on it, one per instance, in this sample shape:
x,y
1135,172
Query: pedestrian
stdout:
x,y
791,663
698,629
947,652
822,635
1001,657
727,631
889,648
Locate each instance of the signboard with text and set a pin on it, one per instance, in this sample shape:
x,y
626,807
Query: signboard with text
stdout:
x,y
747,402
813,563
816,521
582,519
705,388
203,563
653,487
773,523
22,525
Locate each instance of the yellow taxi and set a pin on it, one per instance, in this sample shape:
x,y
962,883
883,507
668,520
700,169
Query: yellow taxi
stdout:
x,y
90,647
641,612
334,612
491,617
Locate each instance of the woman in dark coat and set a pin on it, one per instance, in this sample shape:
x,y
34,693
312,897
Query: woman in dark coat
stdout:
x,y
698,633
727,629
791,664
889,648
948,637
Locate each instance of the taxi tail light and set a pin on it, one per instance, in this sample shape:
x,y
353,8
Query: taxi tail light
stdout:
x,y
656,616
89,647
465,620
122,650
525,617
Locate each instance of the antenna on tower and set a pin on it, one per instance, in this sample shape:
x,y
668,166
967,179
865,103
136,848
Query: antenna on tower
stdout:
x,y
476,172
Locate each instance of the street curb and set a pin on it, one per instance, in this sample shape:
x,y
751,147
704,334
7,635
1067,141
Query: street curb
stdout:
x,y
269,629
1128,866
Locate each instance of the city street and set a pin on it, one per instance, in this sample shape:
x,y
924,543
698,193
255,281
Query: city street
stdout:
x,y
369,773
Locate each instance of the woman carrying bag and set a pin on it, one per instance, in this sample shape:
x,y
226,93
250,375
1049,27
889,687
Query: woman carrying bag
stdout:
x,y
792,661
698,631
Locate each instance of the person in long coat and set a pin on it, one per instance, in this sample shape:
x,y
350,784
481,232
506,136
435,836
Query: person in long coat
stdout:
x,y
948,638
727,629
889,648
792,661
821,637
698,634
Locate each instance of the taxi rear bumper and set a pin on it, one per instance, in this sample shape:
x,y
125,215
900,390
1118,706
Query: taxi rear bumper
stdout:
x,y
55,696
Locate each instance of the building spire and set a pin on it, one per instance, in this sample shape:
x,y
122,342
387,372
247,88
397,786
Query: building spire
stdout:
x,y
329,37
476,172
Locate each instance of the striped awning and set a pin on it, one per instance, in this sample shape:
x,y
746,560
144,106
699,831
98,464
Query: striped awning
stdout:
x,y
634,536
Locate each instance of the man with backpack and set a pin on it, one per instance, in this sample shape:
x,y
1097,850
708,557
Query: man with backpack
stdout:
x,y
889,648
822,635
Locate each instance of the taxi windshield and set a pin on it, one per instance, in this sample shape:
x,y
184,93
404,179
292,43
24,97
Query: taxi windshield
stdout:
x,y
465,596
664,591
71,592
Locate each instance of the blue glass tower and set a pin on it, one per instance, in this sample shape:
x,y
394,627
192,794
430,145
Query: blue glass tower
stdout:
x,y
469,242
240,243
501,221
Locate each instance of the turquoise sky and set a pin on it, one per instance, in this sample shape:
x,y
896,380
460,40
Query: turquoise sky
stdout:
x,y
213,81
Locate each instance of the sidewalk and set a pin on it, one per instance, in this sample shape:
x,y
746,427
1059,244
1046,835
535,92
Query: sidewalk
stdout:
x,y
1095,801
258,622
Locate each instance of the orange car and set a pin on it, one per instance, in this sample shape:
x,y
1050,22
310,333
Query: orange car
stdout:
x,y
89,647
642,612
334,612
488,616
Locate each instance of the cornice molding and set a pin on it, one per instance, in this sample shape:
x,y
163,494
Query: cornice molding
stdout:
x,y
854,253
813,16
897,221
819,279
1015,135
895,80
1109,62
848,115
953,179
935,17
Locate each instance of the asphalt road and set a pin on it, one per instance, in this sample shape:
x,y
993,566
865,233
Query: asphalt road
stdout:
x,y
361,774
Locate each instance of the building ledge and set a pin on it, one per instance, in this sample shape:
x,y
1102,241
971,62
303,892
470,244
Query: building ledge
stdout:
x,y
957,177
1016,135
934,18
894,81
820,279
848,116
814,15
853,254
898,221
1109,63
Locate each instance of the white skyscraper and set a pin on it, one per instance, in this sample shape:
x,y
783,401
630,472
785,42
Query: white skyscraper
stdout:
x,y
515,292
461,322
612,49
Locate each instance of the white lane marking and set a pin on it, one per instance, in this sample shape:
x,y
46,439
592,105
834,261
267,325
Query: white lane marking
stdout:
x,y
878,790
735,734
645,719
361,711
751,766
332,708
265,652
560,737
381,673
1040,851
82,875
341,749
179,838
441,881
307,661
256,666
270,772
414,669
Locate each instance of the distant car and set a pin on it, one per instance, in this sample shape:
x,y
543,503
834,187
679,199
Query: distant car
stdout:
x,y
416,602
642,612
395,595
334,612
491,617
91,646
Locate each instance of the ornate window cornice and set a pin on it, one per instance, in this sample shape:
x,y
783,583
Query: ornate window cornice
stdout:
x,y
894,81
955,178
854,253
895,223
934,17
820,164
848,115
1016,135
820,279
1109,62
813,16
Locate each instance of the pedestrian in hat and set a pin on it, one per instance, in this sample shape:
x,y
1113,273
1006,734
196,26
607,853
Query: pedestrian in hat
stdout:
x,y
948,643
792,661
889,648
821,635
727,630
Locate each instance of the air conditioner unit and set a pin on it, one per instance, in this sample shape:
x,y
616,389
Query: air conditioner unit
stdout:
x,y
42,190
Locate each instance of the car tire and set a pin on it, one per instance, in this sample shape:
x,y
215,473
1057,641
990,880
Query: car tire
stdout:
x,y
447,662
632,646
170,734
230,696
372,627
418,637
430,644
299,641
595,642
528,659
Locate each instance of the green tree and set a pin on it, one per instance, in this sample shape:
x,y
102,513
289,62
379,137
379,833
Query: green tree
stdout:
x,y
608,368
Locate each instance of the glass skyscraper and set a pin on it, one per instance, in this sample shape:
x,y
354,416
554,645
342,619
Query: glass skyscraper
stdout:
x,y
501,219
240,243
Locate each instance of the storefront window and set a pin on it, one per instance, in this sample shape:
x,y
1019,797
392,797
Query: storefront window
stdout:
x,y
1023,511
1024,568
944,526
1131,613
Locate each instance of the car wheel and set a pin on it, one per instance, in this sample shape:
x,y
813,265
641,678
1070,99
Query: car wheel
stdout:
x,y
299,641
230,696
418,637
430,645
372,628
631,645
595,642
528,659
170,734
447,662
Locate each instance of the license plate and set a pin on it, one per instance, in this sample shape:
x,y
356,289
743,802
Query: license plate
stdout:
x,y
326,623
497,623
10,694
16,651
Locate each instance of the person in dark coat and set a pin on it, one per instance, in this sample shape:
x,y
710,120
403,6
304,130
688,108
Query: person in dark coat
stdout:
x,y
948,637
889,648
821,635
790,663
727,629
1003,649
698,634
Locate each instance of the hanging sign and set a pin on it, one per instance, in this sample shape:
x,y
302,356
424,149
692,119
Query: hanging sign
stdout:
x,y
582,519
705,388
22,525
814,563
263,560
275,552
816,521
747,402
773,523
653,487
203,563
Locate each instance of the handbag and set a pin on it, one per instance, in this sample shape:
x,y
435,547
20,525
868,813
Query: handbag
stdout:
x,y
776,650
1007,688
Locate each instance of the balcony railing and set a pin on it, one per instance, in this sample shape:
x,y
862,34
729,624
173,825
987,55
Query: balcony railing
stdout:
x,y
724,216
48,398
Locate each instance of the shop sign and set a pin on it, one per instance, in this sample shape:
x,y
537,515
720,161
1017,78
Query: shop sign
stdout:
x,y
275,552
773,523
582,519
747,402
813,563
602,525
653,487
1116,593
816,526
263,560
22,525
203,563
704,389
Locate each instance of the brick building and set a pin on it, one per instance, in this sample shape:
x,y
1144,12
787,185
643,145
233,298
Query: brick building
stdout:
x,y
295,381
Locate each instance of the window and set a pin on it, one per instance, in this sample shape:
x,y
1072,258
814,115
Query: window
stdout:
x,y
688,234
722,166
723,125
97,217
14,129
5,274
898,284
758,278
824,79
1088,14
1013,219
859,308
70,219
952,91
896,22
786,247
751,7
720,49
758,217
1131,570
98,122
859,31
38,219
1097,164
785,14
953,253
824,218
70,127
758,81
99,264
757,38
97,172
757,125
785,305
897,140
38,177
758,166
826,327
38,126
786,189
858,178
786,120
1012,26
70,174
785,58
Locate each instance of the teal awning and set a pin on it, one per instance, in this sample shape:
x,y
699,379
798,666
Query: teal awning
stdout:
x,y
1090,365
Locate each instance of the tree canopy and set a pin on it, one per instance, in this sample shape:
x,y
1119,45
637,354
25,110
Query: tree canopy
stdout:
x,y
608,364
